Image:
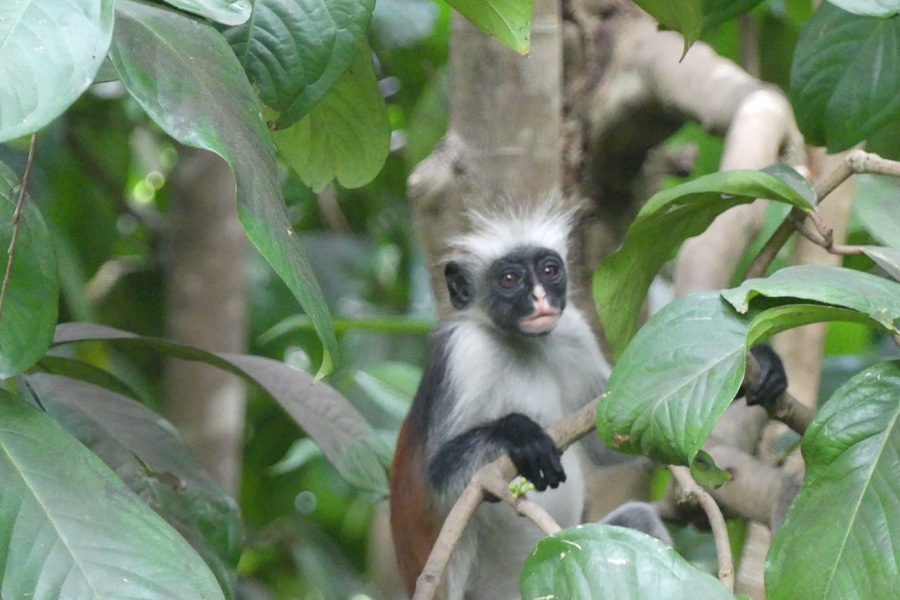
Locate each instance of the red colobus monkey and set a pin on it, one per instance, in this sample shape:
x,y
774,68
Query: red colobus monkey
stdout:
x,y
513,358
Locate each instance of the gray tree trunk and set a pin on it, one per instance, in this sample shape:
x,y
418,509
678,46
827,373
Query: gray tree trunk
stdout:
x,y
206,307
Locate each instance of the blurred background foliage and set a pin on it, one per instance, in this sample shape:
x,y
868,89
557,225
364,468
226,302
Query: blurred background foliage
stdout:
x,y
100,179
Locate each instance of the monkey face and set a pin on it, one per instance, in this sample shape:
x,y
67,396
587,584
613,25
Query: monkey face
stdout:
x,y
526,291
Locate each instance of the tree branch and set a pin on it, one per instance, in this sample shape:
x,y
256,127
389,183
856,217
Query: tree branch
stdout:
x,y
17,217
695,494
786,408
856,162
564,433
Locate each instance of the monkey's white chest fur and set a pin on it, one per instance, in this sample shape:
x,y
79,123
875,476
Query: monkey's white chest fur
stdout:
x,y
544,379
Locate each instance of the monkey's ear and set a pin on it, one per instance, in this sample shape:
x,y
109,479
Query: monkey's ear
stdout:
x,y
459,285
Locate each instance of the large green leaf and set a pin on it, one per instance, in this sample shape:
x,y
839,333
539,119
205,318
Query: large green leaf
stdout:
x,y
32,296
684,367
226,12
840,538
845,77
869,295
183,73
344,436
148,454
669,218
50,51
675,379
346,136
69,528
606,562
295,50
872,8
507,20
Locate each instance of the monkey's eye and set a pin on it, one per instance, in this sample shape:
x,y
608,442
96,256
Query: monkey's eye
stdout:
x,y
551,270
509,279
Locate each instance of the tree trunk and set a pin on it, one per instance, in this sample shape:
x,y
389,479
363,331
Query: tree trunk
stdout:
x,y
206,308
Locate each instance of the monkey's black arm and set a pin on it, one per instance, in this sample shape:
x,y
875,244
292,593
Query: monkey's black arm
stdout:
x,y
532,451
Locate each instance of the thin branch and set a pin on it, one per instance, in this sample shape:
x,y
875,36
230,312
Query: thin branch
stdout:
x,y
856,162
17,217
693,493
498,487
564,433
535,512
430,578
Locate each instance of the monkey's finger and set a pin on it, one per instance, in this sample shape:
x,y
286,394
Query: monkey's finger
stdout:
x,y
538,476
528,467
552,469
556,465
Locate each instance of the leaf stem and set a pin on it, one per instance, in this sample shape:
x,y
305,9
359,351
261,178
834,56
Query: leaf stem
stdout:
x,y
16,220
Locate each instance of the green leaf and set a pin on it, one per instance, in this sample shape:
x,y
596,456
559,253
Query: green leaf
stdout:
x,y
886,258
294,51
799,10
69,528
346,136
50,51
148,454
845,77
794,180
706,473
608,562
82,371
669,218
872,8
841,535
878,208
683,16
383,325
226,12
716,12
780,318
675,380
390,385
32,295
869,295
682,370
346,439
301,452
507,20
185,76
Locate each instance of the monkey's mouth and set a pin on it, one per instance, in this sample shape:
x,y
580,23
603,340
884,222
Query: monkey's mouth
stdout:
x,y
539,323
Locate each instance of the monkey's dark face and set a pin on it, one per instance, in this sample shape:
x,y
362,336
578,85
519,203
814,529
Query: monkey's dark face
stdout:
x,y
524,292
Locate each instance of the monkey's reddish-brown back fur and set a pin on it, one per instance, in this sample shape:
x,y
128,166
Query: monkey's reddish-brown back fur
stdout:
x,y
413,523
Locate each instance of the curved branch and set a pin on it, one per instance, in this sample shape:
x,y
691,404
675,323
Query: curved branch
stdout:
x,y
694,493
856,162
564,433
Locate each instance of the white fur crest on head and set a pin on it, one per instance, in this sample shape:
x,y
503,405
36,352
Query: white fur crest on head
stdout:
x,y
507,224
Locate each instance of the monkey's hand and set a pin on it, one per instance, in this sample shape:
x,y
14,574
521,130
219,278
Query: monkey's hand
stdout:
x,y
532,451
772,380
